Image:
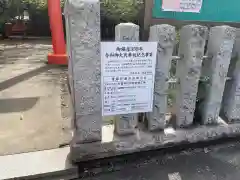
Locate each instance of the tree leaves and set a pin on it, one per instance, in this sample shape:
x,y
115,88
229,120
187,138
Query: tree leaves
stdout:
x,y
12,8
121,10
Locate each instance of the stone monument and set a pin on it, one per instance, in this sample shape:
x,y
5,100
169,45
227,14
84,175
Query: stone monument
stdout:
x,y
83,42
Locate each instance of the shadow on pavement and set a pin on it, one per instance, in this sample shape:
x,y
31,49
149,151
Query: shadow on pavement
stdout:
x,y
15,80
10,105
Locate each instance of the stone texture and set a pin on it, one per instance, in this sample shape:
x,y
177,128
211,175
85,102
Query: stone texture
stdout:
x,y
90,131
70,66
215,69
125,124
144,141
83,28
191,51
165,36
231,99
127,32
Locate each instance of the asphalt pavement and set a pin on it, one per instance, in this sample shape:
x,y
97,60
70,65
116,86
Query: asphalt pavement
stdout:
x,y
220,162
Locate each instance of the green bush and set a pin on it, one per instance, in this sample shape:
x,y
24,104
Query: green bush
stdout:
x,y
121,10
114,12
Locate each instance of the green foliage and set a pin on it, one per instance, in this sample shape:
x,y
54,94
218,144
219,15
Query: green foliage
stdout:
x,y
3,5
117,10
112,11
171,97
11,9
35,5
121,10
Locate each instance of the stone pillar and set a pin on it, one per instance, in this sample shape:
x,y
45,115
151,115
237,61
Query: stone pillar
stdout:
x,y
83,33
215,68
191,51
125,124
70,67
165,36
231,104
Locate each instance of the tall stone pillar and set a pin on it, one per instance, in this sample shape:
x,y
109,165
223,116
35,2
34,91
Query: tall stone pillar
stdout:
x,y
231,104
165,36
125,124
83,34
215,69
191,51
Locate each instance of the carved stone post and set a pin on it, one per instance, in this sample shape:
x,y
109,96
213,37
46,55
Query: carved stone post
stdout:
x,y
125,124
231,104
165,36
83,34
215,68
191,51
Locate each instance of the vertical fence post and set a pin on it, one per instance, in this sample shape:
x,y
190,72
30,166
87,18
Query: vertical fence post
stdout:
x,y
191,51
125,124
220,45
84,41
165,36
231,98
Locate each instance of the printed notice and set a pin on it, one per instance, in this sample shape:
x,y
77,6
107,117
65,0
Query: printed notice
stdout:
x,y
171,5
182,5
128,72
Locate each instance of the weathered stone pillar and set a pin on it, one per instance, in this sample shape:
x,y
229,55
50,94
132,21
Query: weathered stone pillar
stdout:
x,y
191,51
231,104
165,36
215,68
125,124
69,54
83,33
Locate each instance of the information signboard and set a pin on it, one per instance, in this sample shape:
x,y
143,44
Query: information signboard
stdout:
x,y
128,72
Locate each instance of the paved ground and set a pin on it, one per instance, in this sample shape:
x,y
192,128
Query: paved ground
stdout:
x,y
216,163
33,109
50,164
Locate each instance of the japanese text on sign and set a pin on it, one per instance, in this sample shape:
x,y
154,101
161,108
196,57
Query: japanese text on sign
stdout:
x,y
128,71
182,5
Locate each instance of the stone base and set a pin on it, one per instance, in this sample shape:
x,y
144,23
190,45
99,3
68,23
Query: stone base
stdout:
x,y
143,140
60,59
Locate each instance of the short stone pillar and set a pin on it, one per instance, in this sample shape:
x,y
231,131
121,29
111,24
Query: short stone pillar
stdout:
x,y
231,104
215,69
191,51
165,36
83,41
125,124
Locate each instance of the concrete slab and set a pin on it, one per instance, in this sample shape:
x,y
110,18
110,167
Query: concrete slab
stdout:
x,y
34,111
48,164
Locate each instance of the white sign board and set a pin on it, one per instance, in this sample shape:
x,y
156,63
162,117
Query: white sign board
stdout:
x,y
128,72
182,5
